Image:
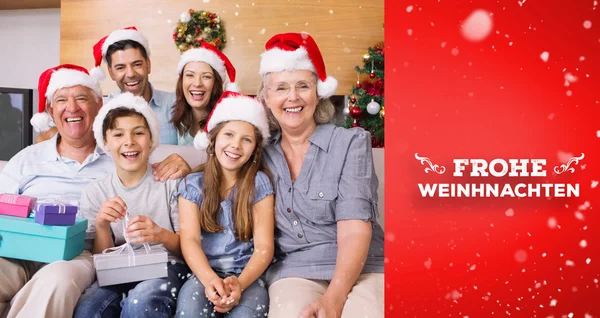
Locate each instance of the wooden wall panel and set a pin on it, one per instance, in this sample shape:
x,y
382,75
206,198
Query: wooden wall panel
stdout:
x,y
28,4
343,30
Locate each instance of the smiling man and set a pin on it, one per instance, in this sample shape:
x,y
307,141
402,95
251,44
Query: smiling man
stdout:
x,y
58,168
127,56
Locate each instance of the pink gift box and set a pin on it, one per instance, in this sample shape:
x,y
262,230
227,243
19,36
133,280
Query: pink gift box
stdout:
x,y
16,205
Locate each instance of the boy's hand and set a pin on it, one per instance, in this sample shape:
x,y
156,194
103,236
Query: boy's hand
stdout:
x,y
143,229
112,210
171,168
234,297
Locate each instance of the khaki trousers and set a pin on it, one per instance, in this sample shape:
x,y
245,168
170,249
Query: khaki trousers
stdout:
x,y
32,289
289,296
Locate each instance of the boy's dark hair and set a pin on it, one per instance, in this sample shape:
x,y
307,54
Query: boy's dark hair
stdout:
x,y
122,46
111,119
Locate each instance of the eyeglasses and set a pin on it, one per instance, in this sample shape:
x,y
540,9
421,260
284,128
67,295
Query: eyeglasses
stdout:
x,y
283,89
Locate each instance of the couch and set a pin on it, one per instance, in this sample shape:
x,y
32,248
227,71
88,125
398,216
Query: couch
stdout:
x,y
195,157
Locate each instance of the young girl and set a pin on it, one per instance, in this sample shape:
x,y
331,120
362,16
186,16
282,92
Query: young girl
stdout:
x,y
128,129
202,73
226,215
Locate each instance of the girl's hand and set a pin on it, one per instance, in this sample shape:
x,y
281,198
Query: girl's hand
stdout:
x,y
143,229
216,290
234,298
112,210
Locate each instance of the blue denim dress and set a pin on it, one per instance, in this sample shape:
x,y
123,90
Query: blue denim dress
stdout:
x,y
224,252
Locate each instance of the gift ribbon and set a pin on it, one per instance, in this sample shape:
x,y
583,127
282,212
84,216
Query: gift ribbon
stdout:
x,y
62,208
126,246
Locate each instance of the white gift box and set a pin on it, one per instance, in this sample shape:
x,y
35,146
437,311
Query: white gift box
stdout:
x,y
124,264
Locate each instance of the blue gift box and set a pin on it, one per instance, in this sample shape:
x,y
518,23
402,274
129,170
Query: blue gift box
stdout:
x,y
23,238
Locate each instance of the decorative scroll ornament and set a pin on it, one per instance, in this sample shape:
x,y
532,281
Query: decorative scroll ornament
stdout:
x,y
435,168
567,167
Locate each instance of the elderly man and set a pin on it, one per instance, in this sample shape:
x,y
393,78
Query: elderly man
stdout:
x,y
126,53
58,167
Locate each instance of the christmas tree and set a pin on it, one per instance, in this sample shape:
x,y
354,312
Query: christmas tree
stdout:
x,y
365,106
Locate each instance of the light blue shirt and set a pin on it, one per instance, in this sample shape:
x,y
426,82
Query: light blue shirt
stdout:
x,y
161,103
40,171
185,140
224,252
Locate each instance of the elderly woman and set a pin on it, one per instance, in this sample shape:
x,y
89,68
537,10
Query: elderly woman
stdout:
x,y
329,256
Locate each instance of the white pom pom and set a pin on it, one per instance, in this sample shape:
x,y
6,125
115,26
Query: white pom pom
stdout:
x,y
201,141
327,88
41,122
97,73
233,87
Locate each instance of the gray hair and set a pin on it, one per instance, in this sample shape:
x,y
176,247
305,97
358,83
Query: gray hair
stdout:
x,y
324,111
95,95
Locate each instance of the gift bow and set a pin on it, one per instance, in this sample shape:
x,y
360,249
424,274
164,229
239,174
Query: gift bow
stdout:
x,y
62,208
126,246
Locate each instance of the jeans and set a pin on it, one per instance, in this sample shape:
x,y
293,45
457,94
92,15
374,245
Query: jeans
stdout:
x,y
151,298
193,303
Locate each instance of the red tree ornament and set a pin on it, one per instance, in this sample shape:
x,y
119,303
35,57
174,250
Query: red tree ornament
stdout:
x,y
355,112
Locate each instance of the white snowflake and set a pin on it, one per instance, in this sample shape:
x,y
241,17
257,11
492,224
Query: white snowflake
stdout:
x,y
477,26
509,212
163,286
569,263
587,24
553,302
544,56
552,222
409,9
588,261
583,243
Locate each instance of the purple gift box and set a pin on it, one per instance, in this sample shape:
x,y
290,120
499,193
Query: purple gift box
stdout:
x,y
55,213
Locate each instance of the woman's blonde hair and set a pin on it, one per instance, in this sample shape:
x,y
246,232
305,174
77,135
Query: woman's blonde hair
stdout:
x,y
324,111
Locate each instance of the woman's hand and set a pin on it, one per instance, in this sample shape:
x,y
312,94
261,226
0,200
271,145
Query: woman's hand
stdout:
x,y
143,229
171,168
324,307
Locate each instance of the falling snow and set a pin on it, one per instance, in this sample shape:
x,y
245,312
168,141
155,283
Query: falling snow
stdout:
x,y
583,244
587,24
477,26
579,216
552,223
428,263
544,56
569,263
509,212
163,287
521,256
454,51
588,261
409,9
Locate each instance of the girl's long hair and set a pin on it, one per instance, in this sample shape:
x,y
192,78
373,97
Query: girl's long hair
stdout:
x,y
182,116
243,200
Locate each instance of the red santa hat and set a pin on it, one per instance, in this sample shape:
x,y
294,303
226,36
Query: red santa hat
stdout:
x,y
127,100
297,51
216,59
234,106
55,78
100,48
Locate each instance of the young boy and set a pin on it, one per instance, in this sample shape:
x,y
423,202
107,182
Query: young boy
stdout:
x,y
128,129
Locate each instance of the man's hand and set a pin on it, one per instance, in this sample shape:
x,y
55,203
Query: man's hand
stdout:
x,y
172,167
142,229
324,307
112,210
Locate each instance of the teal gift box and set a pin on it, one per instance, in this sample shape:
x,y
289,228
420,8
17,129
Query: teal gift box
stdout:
x,y
23,238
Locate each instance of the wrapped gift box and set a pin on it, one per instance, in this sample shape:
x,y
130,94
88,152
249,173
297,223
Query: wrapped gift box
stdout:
x,y
120,268
55,213
16,205
23,238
